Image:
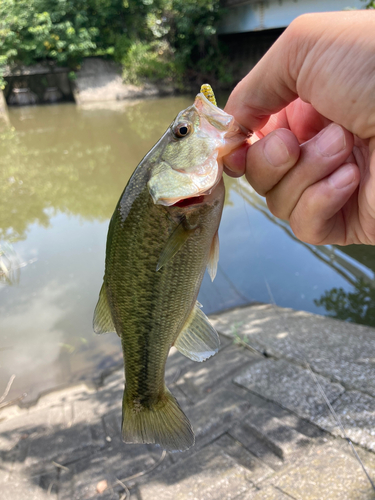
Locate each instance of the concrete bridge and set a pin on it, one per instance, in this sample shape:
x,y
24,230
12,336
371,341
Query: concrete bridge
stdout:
x,y
250,27
256,15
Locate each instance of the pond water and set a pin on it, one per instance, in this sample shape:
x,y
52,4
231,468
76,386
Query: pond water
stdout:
x,y
62,170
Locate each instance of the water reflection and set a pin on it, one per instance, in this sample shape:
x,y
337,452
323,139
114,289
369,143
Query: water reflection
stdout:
x,y
72,161
357,306
9,265
62,170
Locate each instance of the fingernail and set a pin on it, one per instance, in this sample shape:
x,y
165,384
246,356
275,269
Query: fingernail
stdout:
x,y
342,177
332,140
275,151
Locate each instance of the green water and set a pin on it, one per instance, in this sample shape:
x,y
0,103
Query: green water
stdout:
x,y
62,170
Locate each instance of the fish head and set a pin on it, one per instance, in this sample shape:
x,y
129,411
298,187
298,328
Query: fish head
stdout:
x,y
190,164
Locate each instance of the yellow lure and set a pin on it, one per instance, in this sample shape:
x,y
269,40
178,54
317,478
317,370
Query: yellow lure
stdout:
x,y
207,91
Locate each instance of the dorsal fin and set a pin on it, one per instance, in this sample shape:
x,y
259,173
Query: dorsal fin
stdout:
x,y
198,340
103,322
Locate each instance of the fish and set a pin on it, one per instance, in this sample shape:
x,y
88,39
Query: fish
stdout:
x,y
161,237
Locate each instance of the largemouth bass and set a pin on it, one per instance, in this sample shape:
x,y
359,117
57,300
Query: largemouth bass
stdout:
x,y
162,236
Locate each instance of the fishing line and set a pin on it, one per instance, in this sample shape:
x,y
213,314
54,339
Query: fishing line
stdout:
x,y
337,419
307,365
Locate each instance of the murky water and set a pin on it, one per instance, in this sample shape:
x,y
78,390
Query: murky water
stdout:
x,y
62,170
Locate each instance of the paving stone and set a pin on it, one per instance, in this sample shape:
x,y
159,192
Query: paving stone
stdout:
x,y
176,366
325,472
268,493
258,470
5,470
342,351
207,475
30,439
114,380
290,386
60,396
357,414
13,430
300,425
242,428
203,377
112,427
282,439
58,446
114,463
90,408
256,445
23,487
215,414
47,434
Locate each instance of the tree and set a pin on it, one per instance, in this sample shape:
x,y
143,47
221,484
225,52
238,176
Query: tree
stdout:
x,y
151,38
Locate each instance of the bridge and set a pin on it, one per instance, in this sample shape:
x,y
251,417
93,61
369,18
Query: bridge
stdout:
x,y
256,15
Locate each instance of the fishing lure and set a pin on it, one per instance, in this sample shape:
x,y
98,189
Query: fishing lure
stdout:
x,y
207,91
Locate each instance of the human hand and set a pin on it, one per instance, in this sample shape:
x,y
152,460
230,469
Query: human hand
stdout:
x,y
318,175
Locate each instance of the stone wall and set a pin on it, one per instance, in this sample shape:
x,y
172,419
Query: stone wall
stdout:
x,y
38,84
4,118
97,80
100,80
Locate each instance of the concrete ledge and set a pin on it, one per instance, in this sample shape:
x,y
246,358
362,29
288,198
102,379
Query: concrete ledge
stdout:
x,y
262,431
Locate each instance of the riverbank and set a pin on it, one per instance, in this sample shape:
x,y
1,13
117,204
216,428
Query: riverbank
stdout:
x,y
262,429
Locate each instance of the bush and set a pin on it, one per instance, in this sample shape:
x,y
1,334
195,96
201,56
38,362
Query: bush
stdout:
x,y
153,39
148,61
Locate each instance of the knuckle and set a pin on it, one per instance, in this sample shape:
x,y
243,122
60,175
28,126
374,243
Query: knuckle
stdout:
x,y
301,221
299,228
275,208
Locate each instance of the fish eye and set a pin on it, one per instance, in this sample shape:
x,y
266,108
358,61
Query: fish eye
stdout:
x,y
182,129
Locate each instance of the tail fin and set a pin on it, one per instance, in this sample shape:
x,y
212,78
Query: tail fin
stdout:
x,y
164,424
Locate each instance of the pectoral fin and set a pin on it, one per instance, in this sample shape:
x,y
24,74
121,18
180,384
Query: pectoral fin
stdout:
x,y
102,316
198,340
213,257
173,245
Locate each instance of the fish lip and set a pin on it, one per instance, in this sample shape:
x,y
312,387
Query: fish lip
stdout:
x,y
247,132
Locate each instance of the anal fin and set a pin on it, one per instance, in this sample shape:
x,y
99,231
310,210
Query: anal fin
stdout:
x,y
198,340
103,322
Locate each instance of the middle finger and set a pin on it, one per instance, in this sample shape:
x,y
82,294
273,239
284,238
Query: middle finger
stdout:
x,y
319,157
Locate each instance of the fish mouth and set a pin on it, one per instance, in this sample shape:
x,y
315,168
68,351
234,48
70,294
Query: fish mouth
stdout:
x,y
187,202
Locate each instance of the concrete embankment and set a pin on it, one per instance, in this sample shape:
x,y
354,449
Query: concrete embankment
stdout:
x,y
263,431
99,80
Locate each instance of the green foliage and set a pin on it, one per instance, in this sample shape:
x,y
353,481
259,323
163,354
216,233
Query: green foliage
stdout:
x,y
183,46
151,61
357,306
370,5
36,30
153,39
192,34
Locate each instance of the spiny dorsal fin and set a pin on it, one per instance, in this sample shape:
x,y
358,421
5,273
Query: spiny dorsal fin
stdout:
x,y
102,316
213,258
173,245
198,339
